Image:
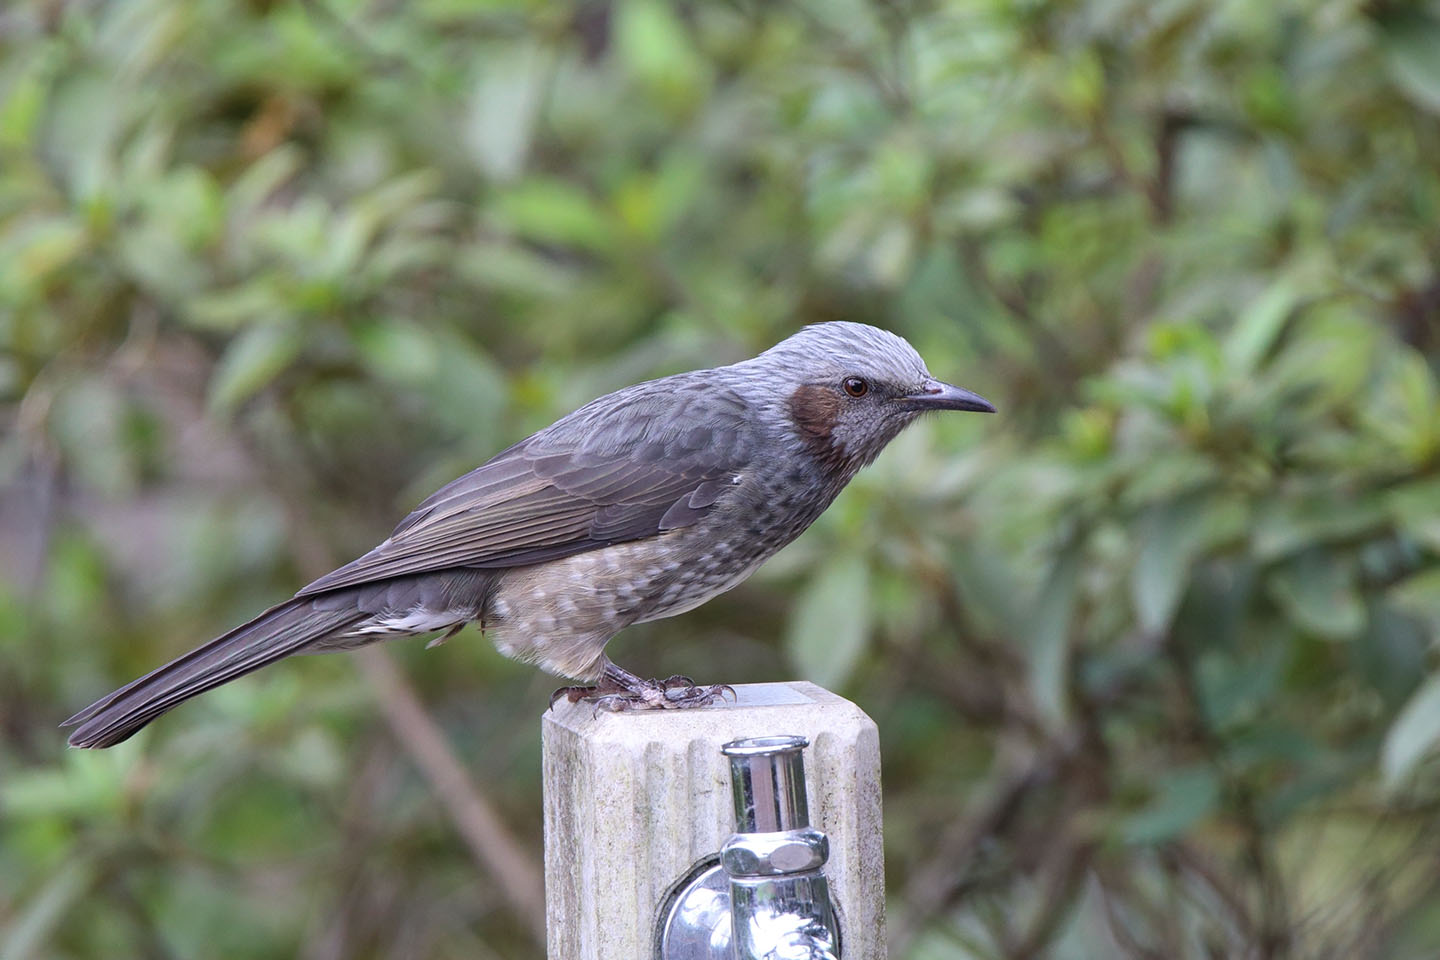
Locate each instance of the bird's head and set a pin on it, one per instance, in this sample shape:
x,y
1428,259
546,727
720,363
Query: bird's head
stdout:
x,y
848,389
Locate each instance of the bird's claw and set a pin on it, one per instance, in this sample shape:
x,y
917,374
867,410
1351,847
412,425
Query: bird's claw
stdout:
x,y
572,694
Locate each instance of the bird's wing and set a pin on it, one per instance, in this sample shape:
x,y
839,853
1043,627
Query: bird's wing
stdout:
x,y
647,459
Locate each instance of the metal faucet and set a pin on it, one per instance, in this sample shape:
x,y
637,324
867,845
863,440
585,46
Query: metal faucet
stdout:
x,y
762,897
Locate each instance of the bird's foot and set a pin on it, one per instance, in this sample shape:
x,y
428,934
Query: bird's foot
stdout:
x,y
675,693
619,690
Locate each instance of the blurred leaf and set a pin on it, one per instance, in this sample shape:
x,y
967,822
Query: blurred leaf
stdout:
x,y
260,180
1161,567
1049,634
830,622
649,204
1318,590
1419,595
1171,536
554,212
1257,328
659,53
46,910
1406,408
504,107
77,583
87,422
1182,798
400,351
1235,689
230,309
20,108
1414,732
314,758
1299,520
1412,51
1413,507
989,587
81,785
1392,656
251,361
31,252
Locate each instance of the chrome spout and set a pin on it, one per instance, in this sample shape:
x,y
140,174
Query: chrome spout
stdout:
x,y
766,898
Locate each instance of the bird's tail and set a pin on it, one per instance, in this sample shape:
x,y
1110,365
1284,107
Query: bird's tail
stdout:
x,y
277,633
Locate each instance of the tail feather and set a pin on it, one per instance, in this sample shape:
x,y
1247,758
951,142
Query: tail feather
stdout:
x,y
277,633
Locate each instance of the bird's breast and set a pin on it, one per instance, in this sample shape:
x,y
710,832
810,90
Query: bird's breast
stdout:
x,y
560,614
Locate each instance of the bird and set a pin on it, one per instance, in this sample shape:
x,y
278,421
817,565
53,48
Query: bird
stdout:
x,y
639,505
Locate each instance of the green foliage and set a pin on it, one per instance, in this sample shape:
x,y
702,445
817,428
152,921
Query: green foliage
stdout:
x,y
1152,652
831,621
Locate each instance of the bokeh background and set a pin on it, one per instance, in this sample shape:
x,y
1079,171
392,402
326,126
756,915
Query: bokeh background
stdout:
x,y
1151,652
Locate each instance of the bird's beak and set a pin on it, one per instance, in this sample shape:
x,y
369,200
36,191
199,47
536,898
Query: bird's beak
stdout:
x,y
935,395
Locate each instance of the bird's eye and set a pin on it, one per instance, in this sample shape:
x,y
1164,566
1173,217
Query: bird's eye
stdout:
x,y
856,387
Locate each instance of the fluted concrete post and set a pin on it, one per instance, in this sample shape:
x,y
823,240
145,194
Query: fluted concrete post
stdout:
x,y
634,800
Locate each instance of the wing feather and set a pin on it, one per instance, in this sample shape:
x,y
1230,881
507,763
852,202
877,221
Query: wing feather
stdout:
x,y
647,459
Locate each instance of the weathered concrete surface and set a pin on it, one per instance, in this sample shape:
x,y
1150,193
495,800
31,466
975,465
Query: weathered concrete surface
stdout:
x,y
634,800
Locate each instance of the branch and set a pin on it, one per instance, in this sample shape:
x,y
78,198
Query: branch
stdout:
x,y
934,885
1199,866
1271,928
495,851
1063,883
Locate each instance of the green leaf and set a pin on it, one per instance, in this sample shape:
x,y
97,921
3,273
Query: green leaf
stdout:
x,y
30,254
398,350
1318,592
1172,536
1233,690
655,47
1161,567
1419,596
1412,54
253,359
251,189
831,621
504,107
1301,521
1405,411
1258,327
20,109
1415,508
1413,733
1392,656
553,211
233,308
1182,798
85,785
46,910
1049,634
649,203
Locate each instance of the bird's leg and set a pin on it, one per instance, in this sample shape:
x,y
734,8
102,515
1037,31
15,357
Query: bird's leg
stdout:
x,y
618,689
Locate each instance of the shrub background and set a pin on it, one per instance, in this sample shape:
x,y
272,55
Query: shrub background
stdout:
x,y
1151,652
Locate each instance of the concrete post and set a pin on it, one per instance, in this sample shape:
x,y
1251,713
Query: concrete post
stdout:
x,y
634,800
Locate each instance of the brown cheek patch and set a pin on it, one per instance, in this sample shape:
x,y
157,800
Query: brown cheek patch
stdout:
x,y
815,409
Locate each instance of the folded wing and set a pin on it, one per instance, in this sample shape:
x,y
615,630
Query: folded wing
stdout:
x,y
629,466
